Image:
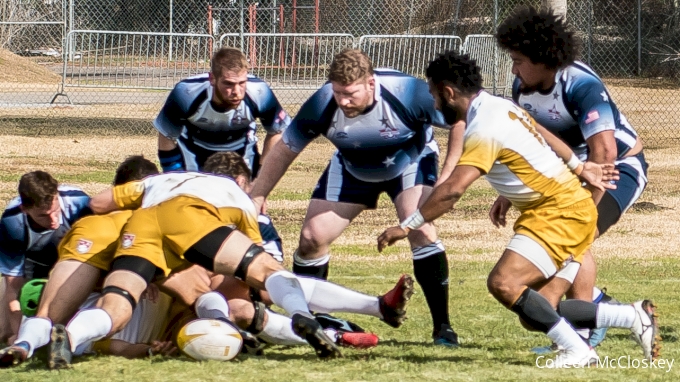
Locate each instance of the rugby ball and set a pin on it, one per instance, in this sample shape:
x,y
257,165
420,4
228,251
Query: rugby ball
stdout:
x,y
207,339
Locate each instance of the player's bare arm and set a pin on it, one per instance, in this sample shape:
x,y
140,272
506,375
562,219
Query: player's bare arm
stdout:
x,y
442,200
602,150
165,143
454,151
103,203
269,142
275,165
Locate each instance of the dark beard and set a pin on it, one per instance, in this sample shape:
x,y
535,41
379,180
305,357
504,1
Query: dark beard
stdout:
x,y
451,115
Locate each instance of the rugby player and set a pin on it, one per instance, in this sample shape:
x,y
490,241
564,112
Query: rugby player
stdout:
x,y
218,111
30,230
569,99
381,123
558,217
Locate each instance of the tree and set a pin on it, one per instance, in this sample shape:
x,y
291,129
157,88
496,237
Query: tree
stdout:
x,y
559,7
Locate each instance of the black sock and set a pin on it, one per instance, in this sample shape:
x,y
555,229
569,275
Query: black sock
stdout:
x,y
535,310
432,273
171,160
580,314
315,271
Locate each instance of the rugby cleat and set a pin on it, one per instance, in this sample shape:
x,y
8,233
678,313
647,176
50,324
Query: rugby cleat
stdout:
x,y
357,340
549,349
60,355
12,356
446,337
646,328
308,328
567,359
393,303
251,344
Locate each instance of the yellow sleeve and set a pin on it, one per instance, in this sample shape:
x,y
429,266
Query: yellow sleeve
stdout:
x,y
249,226
129,195
481,151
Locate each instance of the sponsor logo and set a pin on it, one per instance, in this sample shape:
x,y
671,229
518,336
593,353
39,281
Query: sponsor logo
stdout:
x,y
341,135
83,246
128,239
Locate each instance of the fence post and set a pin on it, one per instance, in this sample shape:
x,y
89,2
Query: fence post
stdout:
x,y
210,28
170,44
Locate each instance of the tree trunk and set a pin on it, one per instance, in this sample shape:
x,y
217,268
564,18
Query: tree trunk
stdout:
x,y
559,7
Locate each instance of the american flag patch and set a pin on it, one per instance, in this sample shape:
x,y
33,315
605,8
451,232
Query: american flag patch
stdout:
x,y
593,116
281,116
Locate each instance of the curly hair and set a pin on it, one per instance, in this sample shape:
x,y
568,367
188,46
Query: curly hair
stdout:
x,y
539,34
227,163
458,70
348,66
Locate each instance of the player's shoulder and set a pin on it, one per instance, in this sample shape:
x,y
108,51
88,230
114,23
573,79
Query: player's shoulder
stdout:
x,y
192,85
12,211
395,80
487,112
578,73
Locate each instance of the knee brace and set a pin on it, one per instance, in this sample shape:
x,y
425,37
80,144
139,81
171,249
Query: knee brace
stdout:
x,y
120,292
250,255
257,325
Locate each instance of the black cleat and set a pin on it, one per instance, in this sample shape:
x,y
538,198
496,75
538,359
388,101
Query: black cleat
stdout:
x,y
12,356
251,344
330,322
446,337
309,329
60,349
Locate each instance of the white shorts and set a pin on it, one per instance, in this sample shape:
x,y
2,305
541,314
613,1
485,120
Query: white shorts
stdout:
x,y
147,321
537,255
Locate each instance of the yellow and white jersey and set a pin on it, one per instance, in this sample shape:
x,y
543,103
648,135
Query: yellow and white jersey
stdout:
x,y
216,190
501,140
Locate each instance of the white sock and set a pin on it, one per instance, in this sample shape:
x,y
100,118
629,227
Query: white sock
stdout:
x,y
325,297
285,291
35,332
88,325
615,316
584,333
597,293
564,335
279,331
212,305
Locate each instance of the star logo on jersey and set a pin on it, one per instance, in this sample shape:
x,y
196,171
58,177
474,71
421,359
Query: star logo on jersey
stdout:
x,y
556,95
388,161
384,122
554,114
605,98
127,241
237,119
83,246
388,131
356,144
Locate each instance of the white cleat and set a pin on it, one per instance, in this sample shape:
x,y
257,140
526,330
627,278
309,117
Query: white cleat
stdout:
x,y
571,359
646,327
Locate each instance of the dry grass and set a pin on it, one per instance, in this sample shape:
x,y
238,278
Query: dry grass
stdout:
x,y
16,69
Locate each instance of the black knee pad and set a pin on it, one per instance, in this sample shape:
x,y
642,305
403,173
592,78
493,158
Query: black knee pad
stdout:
x,y
142,267
250,255
120,292
204,251
257,325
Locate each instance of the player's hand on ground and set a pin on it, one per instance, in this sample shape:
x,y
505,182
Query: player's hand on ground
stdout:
x,y
165,348
391,236
600,176
499,210
151,293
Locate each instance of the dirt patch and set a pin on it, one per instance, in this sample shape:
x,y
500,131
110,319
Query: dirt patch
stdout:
x,y
17,69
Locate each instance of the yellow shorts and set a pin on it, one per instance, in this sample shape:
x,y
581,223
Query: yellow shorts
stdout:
x,y
565,233
162,233
94,239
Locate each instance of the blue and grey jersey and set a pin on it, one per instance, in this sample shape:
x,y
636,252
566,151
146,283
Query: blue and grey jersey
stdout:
x,y
30,253
270,237
190,117
576,108
379,144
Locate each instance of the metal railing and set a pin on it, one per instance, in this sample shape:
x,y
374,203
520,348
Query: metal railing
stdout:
x,y
407,53
494,63
290,60
134,60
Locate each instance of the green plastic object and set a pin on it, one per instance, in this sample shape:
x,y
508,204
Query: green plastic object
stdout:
x,y
29,296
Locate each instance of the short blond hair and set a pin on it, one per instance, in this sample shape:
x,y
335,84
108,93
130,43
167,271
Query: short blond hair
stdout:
x,y
349,66
228,59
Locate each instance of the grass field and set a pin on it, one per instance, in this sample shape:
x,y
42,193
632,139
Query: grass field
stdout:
x,y
637,259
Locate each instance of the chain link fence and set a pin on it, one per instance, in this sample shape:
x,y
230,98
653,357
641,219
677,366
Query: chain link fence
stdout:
x,y
106,66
